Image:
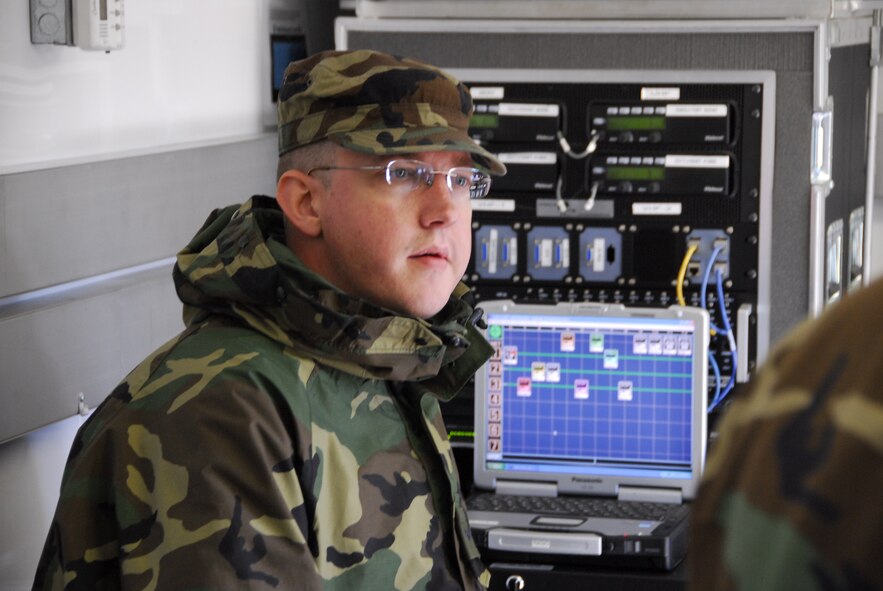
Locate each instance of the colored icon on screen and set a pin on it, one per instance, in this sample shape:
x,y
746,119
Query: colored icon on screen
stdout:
x,y
538,371
654,344
581,389
685,346
523,387
611,359
553,372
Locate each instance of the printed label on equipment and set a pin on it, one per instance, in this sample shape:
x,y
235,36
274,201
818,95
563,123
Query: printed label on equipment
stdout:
x,y
503,205
678,110
696,161
493,241
659,94
528,158
487,93
545,252
529,110
657,208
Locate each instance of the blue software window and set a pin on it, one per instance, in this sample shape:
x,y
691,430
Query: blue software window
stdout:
x,y
619,393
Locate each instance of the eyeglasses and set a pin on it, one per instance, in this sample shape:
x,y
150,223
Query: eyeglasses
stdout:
x,y
408,176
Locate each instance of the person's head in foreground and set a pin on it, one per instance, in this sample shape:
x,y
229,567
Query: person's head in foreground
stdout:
x,y
791,496
376,175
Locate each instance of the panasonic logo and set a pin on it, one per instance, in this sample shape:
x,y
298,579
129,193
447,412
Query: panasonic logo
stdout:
x,y
586,480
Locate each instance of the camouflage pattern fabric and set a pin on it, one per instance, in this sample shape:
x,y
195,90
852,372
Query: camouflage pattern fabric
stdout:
x,y
288,438
376,103
792,497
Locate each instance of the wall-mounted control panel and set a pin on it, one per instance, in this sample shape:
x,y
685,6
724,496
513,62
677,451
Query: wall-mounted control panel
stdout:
x,y
98,25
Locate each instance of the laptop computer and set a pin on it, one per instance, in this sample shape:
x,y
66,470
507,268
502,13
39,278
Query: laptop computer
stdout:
x,y
586,401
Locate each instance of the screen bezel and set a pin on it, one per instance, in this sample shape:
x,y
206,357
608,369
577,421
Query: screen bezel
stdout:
x,y
486,477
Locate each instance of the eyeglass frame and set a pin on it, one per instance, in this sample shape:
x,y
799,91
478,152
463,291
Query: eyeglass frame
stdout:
x,y
389,179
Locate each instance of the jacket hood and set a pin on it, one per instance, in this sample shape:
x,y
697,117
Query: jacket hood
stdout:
x,y
238,266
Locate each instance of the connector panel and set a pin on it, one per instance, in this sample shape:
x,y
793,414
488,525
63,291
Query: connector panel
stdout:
x,y
548,253
712,248
496,252
600,254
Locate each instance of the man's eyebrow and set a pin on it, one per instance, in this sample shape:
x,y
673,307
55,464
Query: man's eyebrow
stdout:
x,y
380,158
463,160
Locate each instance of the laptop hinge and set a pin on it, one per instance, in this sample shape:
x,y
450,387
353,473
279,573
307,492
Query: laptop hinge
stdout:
x,y
650,495
525,488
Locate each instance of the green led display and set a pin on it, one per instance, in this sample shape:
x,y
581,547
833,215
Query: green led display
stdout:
x,y
465,434
635,173
635,123
485,120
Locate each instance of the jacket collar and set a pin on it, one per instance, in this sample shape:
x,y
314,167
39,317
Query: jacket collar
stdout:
x,y
239,266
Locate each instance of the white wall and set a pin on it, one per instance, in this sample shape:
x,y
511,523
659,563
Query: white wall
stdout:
x,y
192,72
30,476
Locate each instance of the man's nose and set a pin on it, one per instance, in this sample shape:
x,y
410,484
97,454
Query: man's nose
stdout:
x,y
440,205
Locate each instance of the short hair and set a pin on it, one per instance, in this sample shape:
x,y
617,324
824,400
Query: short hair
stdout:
x,y
321,153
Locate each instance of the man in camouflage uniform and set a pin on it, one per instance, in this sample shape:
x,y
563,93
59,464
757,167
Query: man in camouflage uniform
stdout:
x,y
290,436
792,496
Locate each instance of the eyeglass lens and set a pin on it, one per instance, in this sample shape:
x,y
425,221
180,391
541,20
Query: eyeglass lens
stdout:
x,y
462,181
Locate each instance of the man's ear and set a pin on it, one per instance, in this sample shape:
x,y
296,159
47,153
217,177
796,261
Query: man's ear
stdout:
x,y
297,194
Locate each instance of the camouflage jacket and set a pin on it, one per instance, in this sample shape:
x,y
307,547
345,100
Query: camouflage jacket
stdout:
x,y
288,438
792,496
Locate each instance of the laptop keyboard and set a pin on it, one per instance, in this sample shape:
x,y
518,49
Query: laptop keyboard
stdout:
x,y
581,506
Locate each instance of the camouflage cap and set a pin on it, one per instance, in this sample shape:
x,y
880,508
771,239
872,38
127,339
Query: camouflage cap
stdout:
x,y
376,103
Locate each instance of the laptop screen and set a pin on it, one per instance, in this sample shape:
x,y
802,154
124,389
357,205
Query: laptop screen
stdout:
x,y
591,396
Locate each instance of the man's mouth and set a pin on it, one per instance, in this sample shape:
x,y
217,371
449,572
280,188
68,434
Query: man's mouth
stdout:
x,y
430,252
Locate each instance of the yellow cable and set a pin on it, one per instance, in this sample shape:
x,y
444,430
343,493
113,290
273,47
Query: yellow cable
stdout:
x,y
682,273
679,287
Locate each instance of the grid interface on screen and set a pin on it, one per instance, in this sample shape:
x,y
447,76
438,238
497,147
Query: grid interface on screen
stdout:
x,y
617,392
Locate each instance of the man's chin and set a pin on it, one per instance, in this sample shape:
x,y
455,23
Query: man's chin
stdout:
x,y
424,307
425,301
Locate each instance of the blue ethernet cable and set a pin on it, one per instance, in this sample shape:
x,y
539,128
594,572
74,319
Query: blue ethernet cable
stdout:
x,y
704,288
729,332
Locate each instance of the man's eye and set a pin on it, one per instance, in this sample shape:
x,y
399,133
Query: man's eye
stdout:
x,y
461,181
402,173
